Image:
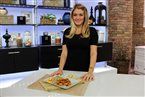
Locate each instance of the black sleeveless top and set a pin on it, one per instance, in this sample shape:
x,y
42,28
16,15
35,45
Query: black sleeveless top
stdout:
x,y
78,58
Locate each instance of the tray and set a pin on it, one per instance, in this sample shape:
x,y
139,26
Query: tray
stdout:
x,y
53,81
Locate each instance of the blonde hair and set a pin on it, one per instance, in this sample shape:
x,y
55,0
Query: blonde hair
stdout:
x,y
85,26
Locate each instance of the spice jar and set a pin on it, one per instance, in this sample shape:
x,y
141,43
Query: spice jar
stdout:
x,y
19,40
27,39
3,11
57,39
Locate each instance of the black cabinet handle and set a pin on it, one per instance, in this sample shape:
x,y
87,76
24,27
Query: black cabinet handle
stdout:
x,y
58,56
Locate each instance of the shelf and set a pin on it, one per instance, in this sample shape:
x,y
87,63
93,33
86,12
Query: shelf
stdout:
x,y
32,6
49,45
17,5
17,24
41,25
36,12
13,47
51,25
55,8
99,25
67,25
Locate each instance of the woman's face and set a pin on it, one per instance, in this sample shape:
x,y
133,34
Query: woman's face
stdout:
x,y
78,17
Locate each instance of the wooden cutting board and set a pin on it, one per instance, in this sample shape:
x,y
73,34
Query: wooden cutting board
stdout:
x,y
78,90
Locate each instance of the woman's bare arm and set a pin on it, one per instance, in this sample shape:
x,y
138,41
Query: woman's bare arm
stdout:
x,y
93,58
63,57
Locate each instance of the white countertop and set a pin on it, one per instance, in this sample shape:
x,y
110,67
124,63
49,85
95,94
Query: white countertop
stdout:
x,y
106,83
140,47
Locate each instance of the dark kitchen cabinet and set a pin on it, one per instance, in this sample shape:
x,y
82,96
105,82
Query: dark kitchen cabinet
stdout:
x,y
6,61
18,59
50,55
104,51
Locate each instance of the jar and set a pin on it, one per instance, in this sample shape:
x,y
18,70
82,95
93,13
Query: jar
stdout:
x,y
3,11
53,36
27,39
100,8
57,39
22,2
12,40
45,33
19,40
66,18
101,36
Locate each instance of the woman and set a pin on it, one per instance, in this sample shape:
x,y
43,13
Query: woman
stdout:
x,y
79,50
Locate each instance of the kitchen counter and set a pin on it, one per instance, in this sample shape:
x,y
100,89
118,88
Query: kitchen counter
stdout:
x,y
106,83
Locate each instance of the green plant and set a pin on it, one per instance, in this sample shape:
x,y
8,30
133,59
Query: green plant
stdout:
x,y
49,16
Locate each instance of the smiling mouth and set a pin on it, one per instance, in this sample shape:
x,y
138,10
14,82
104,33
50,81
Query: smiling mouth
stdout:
x,y
77,21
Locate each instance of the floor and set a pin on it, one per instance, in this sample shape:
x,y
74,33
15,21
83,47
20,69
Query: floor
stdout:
x,y
7,80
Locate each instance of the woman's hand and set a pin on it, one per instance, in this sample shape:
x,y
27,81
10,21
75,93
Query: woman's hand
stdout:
x,y
58,72
88,77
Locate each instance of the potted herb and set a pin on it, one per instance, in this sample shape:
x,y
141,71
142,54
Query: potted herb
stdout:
x,y
48,19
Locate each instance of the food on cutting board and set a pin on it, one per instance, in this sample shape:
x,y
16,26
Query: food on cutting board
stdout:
x,y
71,76
59,81
51,79
63,82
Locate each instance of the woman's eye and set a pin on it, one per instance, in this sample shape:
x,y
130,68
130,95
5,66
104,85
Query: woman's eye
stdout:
x,y
75,15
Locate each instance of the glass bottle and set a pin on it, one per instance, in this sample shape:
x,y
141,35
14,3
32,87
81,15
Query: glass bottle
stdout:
x,y
52,34
27,39
19,40
22,2
101,36
67,3
57,39
12,40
